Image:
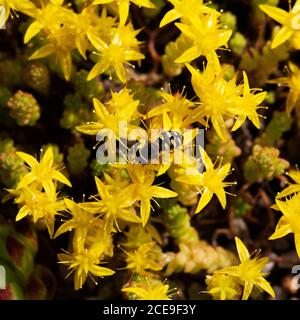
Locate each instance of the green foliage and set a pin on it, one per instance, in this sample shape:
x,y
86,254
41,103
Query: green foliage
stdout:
x,y
279,124
238,43
11,168
264,164
77,158
260,64
24,108
216,147
36,75
173,50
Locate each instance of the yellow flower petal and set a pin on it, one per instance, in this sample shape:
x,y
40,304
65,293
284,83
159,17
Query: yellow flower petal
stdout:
x,y
98,69
283,207
247,290
132,55
32,31
129,215
145,210
81,45
219,125
100,109
43,52
65,227
49,187
222,197
231,271
281,36
170,16
65,61
189,55
101,271
275,13
26,180
186,30
282,229
144,3
92,128
246,89
120,72
255,120
264,284
242,250
223,38
102,190
291,101
206,159
102,1
61,178
292,189
69,204
297,243
123,11
30,160
224,171
204,200
96,42
93,207
160,192
47,159
23,212
295,175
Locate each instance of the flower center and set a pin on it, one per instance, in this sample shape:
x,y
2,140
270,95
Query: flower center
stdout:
x,y
114,53
249,271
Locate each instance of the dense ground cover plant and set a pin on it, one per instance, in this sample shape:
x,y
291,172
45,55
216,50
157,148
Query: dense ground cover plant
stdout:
x,y
134,229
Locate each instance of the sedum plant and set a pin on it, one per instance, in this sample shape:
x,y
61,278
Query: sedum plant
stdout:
x,y
169,70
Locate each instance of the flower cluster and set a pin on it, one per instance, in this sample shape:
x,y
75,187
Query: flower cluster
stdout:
x,y
36,192
62,31
119,219
220,99
249,273
290,22
287,201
